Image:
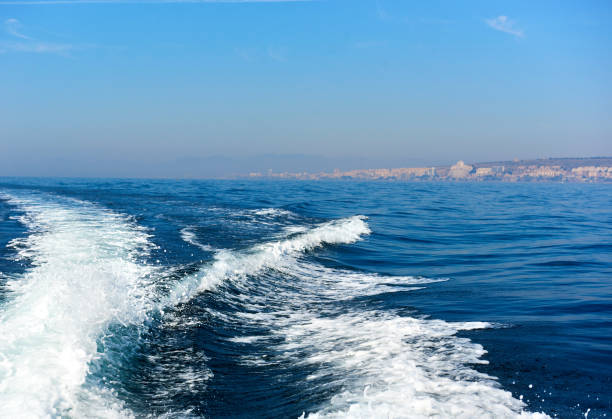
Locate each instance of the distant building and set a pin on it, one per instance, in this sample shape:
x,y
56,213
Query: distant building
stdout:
x,y
484,171
460,170
592,172
489,172
545,171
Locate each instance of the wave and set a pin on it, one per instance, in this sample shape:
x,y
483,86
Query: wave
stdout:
x,y
233,265
88,273
387,364
376,363
85,275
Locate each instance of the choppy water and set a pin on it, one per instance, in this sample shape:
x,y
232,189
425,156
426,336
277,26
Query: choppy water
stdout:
x,y
123,298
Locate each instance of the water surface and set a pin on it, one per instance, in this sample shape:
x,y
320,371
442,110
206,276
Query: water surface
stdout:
x,y
136,298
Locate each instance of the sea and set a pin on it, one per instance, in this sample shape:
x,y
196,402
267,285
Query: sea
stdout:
x,y
126,298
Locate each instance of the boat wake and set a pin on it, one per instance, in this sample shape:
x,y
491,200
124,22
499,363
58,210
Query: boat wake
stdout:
x,y
86,274
89,277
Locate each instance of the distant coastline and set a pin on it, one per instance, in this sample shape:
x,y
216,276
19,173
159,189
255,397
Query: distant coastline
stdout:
x,y
586,169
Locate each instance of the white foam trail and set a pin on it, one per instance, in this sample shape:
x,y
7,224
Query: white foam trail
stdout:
x,y
84,276
387,365
188,236
228,264
289,230
393,366
272,212
318,281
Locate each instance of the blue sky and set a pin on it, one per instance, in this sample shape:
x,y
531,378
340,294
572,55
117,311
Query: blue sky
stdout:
x,y
173,88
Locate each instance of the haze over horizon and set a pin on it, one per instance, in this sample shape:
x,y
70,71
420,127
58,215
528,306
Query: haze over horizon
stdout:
x,y
209,88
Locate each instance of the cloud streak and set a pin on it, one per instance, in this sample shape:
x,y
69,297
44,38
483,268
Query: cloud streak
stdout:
x,y
55,2
25,43
503,24
12,27
35,47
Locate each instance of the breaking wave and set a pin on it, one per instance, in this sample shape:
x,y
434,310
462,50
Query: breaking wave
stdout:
x,y
237,265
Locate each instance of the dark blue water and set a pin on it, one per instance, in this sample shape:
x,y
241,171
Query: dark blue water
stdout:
x,y
124,298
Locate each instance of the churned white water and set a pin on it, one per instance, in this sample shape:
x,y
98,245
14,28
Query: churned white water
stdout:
x,y
190,237
229,264
395,366
84,276
388,365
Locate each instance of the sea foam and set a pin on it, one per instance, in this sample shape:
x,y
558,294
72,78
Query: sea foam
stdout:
x,y
230,264
388,365
189,236
84,276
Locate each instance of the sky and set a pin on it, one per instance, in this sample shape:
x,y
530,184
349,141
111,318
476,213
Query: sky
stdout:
x,y
170,88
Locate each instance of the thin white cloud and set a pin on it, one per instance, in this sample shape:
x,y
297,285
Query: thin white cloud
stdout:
x,y
26,43
13,27
503,24
36,47
52,2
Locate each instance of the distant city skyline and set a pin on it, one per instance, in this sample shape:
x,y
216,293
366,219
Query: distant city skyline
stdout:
x,y
596,169
215,88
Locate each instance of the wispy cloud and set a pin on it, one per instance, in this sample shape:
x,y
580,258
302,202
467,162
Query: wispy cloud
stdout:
x,y
53,2
13,27
25,43
503,24
35,47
